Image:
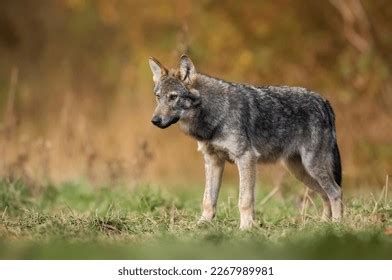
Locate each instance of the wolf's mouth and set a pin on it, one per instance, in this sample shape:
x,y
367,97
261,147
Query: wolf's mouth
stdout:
x,y
164,124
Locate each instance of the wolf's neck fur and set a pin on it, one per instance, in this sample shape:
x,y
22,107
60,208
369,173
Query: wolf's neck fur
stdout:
x,y
203,121
217,84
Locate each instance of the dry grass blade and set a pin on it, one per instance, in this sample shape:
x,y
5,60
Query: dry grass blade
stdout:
x,y
109,227
270,195
386,190
311,201
305,205
378,201
4,212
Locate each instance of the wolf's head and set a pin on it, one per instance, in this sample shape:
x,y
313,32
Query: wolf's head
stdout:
x,y
173,90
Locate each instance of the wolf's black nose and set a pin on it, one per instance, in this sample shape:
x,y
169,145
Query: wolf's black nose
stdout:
x,y
156,120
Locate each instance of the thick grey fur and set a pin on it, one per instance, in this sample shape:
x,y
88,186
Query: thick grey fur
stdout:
x,y
248,124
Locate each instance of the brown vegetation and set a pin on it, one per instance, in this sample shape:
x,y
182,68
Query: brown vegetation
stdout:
x,y
76,92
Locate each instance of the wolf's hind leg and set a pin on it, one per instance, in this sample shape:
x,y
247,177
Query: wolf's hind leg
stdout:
x,y
321,169
213,171
294,164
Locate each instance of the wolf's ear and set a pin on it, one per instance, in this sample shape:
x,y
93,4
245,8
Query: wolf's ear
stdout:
x,y
157,69
187,69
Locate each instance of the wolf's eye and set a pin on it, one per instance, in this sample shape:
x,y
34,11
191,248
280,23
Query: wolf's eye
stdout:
x,y
172,96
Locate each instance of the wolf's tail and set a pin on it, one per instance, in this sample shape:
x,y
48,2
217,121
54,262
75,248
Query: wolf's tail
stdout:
x,y
337,166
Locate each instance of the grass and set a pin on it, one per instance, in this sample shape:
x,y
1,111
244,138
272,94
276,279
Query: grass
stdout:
x,y
77,221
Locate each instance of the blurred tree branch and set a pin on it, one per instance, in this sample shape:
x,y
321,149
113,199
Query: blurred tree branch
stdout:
x,y
9,114
356,24
359,30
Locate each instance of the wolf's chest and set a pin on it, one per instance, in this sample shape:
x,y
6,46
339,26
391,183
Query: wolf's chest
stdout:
x,y
228,148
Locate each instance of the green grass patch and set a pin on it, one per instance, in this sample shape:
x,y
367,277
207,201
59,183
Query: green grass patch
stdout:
x,y
77,221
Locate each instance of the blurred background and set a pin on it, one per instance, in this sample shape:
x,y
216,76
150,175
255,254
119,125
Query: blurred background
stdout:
x,y
76,91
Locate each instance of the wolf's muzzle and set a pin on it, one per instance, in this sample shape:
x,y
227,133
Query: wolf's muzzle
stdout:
x,y
163,123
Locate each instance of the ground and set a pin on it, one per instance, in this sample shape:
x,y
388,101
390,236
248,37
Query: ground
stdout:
x,y
78,221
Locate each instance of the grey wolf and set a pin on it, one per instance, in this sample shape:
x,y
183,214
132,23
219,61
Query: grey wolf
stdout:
x,y
247,125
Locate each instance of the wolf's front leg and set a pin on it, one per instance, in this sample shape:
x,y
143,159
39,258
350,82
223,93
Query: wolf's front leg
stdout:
x,y
247,170
214,169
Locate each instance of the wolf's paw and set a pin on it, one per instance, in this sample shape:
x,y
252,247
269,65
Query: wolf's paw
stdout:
x,y
331,218
204,221
247,224
337,219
